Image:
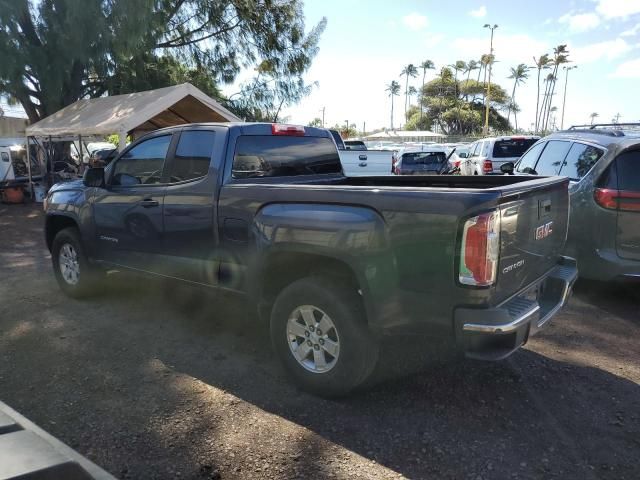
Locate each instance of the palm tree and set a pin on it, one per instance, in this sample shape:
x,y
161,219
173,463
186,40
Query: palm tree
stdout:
x,y
426,65
546,99
459,66
471,66
560,57
408,71
593,116
518,74
515,108
540,63
394,90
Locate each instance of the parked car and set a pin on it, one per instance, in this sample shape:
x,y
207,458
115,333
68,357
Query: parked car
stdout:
x,y
489,154
458,155
420,161
369,163
603,164
332,263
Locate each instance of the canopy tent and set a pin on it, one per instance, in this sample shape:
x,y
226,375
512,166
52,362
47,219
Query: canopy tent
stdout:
x,y
132,113
404,135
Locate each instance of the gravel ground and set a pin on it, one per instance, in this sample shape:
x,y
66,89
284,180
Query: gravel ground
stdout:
x,y
155,381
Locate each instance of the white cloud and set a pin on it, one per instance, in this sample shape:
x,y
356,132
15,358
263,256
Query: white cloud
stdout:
x,y
479,13
630,69
631,32
415,21
434,40
580,22
608,50
618,8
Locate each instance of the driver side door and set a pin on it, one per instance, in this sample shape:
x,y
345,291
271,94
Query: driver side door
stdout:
x,y
128,211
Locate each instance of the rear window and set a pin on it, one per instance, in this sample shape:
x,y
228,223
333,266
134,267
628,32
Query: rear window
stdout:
x,y
423,158
513,148
629,171
580,160
283,156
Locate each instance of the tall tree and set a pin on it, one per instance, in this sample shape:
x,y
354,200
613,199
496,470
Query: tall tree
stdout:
x,y
426,65
408,71
518,74
471,66
55,52
394,90
560,57
541,63
593,116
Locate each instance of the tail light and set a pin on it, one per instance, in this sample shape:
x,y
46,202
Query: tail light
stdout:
x,y
456,163
487,166
613,199
480,250
291,130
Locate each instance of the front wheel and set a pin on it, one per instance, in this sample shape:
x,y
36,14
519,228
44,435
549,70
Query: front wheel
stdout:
x,y
75,275
318,330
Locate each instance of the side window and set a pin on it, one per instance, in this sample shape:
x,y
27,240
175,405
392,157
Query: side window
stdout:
x,y
552,158
281,156
193,156
579,161
485,149
628,165
142,165
474,150
528,161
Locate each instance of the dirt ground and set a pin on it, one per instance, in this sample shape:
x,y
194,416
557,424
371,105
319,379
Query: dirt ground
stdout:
x,y
151,381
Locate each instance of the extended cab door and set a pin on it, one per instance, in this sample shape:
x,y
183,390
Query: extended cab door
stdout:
x,y
128,211
190,218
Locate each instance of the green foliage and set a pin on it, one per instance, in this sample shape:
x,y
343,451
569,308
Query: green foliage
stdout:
x,y
56,52
458,106
345,132
316,122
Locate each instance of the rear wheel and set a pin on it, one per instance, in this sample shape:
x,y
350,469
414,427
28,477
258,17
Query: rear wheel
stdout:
x,y
75,275
318,330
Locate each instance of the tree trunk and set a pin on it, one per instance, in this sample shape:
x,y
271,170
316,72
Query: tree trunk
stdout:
x,y
406,97
424,74
553,89
513,95
538,99
392,111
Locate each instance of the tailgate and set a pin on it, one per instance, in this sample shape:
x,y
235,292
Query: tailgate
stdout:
x,y
534,225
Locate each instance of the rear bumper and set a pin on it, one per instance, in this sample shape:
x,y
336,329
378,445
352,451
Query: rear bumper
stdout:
x,y
495,333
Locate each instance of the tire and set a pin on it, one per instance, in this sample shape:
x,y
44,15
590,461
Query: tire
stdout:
x,y
76,277
357,351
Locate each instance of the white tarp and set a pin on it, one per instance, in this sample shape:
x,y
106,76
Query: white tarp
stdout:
x,y
400,134
124,113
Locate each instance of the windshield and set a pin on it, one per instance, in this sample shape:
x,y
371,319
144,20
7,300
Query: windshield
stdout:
x,y
512,148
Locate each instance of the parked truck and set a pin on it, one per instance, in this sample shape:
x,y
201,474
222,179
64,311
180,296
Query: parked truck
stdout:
x,y
331,263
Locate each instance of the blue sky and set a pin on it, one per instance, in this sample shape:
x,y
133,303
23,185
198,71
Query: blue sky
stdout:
x,y
367,43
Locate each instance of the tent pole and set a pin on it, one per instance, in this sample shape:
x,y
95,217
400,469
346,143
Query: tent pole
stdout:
x,y
122,140
28,155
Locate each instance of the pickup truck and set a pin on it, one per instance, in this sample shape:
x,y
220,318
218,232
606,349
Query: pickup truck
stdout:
x,y
332,264
361,163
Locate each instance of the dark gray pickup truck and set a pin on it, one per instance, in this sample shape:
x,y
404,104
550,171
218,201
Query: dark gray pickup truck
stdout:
x,y
332,263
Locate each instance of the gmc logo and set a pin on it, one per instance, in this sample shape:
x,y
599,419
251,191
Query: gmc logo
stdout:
x,y
543,231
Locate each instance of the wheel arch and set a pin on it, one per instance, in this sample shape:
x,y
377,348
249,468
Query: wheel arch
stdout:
x,y
56,223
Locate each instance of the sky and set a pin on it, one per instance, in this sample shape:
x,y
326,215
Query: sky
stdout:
x,y
368,42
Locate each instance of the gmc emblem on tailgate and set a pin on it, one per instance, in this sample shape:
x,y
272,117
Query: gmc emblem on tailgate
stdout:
x,y
543,231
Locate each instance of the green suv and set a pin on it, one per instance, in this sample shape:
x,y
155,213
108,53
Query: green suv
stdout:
x,y
603,164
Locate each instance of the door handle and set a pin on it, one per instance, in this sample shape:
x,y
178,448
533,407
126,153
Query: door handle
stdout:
x,y
148,202
362,164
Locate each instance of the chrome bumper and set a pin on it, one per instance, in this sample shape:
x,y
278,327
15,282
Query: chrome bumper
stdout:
x,y
495,333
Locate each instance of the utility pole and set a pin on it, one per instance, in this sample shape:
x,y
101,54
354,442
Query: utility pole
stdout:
x,y
564,100
364,129
616,118
488,97
322,116
347,130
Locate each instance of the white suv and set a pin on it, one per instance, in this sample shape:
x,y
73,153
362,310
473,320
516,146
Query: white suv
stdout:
x,y
487,155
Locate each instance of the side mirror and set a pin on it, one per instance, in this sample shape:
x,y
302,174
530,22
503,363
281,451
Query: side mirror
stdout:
x,y
507,168
463,155
93,177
